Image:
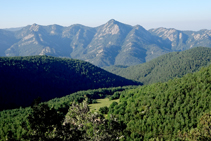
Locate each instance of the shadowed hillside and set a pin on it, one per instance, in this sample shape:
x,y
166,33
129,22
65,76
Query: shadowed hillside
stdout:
x,y
26,78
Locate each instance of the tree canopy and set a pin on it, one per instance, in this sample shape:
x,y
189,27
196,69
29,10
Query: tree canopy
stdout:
x,y
26,78
166,67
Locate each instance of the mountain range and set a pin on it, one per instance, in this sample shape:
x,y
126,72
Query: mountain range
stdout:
x,y
112,43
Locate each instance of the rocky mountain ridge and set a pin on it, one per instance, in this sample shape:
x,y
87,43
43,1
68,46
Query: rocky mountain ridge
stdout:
x,y
112,43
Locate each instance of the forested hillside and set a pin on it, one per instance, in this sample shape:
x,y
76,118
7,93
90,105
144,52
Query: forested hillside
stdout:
x,y
26,78
175,110
165,67
160,110
11,126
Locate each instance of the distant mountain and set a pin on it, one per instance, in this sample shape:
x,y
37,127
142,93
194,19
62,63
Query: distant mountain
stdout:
x,y
13,29
112,43
7,39
183,40
165,67
25,78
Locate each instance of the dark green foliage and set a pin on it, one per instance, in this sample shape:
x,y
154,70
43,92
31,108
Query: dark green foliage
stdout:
x,y
93,124
46,124
116,69
93,101
10,123
104,110
201,133
92,95
116,95
42,122
166,67
26,78
160,110
10,120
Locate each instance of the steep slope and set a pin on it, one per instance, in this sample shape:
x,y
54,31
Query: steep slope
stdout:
x,y
116,69
160,110
79,37
26,78
113,43
51,40
106,43
7,38
140,46
13,29
199,38
165,67
183,40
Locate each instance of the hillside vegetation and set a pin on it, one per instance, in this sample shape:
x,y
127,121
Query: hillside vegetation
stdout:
x,y
101,103
11,120
160,110
25,78
165,67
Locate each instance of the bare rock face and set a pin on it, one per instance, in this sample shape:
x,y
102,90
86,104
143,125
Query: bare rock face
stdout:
x,y
34,27
112,43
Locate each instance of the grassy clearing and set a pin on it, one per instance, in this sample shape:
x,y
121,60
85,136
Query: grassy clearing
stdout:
x,y
101,103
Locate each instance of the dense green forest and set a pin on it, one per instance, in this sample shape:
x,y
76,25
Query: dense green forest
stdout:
x,y
161,110
175,110
26,78
11,120
165,67
178,109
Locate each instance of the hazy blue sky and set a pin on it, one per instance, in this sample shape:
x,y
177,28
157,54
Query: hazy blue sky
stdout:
x,y
179,14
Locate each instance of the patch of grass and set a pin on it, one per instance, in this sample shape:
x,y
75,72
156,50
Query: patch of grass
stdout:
x,y
101,103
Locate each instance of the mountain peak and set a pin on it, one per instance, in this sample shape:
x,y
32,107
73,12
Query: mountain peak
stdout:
x,y
138,27
34,24
112,21
111,27
111,43
34,27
